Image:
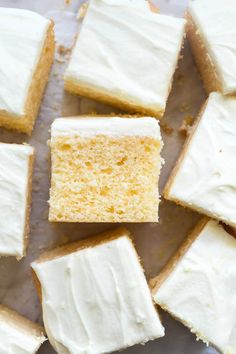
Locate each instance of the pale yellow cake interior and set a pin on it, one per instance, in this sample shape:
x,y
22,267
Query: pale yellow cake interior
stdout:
x,y
105,179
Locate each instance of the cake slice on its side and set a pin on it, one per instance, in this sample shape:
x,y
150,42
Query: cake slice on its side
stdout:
x,y
95,297
211,32
126,56
203,178
16,167
105,169
198,285
18,334
27,51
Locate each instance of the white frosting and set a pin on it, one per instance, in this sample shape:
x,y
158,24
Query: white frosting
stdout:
x,y
115,127
127,51
215,20
22,35
201,290
14,167
16,340
98,301
205,180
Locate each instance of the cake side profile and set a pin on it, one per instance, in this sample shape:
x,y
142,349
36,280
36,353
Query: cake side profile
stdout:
x,y
27,50
16,163
105,169
202,278
99,300
203,178
126,55
211,32
18,334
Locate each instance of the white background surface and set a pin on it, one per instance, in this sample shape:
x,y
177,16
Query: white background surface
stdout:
x,y
155,242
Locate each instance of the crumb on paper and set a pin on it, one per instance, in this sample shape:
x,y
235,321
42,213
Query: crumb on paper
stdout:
x,y
62,50
82,11
153,7
186,125
166,128
184,107
67,2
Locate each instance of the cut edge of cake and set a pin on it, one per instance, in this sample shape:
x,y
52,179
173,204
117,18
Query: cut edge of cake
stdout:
x,y
25,123
109,127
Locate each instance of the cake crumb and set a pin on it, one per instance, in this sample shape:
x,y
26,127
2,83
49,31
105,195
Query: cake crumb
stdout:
x,y
166,128
186,125
67,2
153,7
82,11
62,50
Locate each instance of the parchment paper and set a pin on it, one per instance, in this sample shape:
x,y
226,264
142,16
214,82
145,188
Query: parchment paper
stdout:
x,y
155,242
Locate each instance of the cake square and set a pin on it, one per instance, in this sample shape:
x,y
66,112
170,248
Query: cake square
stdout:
x,y
95,297
126,55
197,286
105,169
16,167
211,32
27,50
203,178
18,334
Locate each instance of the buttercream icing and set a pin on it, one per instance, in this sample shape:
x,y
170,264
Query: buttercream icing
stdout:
x,y
22,36
14,169
115,126
96,300
201,289
127,51
205,177
215,20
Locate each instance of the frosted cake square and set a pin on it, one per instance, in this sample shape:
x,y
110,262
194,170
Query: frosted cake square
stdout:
x,y
197,286
27,49
126,55
95,297
203,178
211,31
105,169
18,334
16,166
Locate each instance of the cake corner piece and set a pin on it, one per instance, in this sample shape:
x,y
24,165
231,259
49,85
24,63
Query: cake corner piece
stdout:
x,y
202,178
105,278
89,74
200,275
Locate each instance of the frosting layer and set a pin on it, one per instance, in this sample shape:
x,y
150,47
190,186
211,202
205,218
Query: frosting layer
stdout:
x,y
96,300
127,51
215,20
201,290
17,337
205,178
14,169
22,35
88,126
